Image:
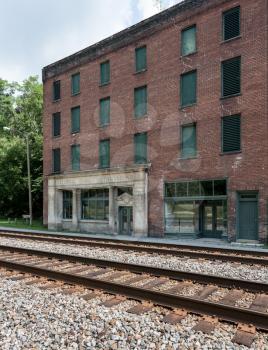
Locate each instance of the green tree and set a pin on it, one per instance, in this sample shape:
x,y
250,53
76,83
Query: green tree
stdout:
x,y
21,111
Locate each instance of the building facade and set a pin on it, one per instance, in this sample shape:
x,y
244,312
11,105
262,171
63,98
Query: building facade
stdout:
x,y
163,128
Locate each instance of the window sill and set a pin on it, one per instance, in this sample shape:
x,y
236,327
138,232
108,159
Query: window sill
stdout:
x,y
76,94
103,126
229,153
231,39
188,158
67,220
140,71
85,221
140,117
189,54
230,96
73,133
55,101
104,84
187,106
56,137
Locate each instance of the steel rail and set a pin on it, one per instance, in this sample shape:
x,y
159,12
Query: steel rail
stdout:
x,y
178,250
224,312
250,286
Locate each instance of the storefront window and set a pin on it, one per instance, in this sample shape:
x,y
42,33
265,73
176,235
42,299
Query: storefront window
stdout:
x,y
67,204
180,217
95,204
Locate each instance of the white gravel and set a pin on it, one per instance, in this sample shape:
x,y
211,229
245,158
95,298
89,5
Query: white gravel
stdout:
x,y
31,318
226,269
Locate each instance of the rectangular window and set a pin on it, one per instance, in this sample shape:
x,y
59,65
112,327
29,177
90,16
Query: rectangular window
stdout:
x,y
56,166
75,113
105,111
188,141
188,88
140,101
105,73
95,204
75,84
75,153
231,23
104,154
140,144
56,124
231,133
231,80
56,90
188,41
67,197
141,59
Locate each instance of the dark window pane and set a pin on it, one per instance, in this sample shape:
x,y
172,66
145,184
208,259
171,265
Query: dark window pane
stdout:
x,y
75,84
188,41
231,77
188,89
140,143
181,189
206,188
105,111
105,73
220,188
56,90
193,189
231,133
231,23
104,154
67,204
188,141
171,190
56,124
75,149
56,166
141,59
75,119
140,101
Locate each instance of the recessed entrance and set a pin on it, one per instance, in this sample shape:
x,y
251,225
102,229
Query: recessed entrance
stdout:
x,y
248,216
125,220
212,219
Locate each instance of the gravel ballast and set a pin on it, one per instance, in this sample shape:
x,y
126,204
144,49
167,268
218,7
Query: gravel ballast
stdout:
x,y
217,267
31,318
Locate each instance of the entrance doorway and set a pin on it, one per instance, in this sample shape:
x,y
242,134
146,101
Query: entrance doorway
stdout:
x,y
125,220
212,216
248,216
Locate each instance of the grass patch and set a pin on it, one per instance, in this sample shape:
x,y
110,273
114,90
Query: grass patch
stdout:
x,y
22,224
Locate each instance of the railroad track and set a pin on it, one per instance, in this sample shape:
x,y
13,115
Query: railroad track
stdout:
x,y
210,253
172,289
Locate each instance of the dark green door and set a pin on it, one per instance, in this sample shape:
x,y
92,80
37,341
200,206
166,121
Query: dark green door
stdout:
x,y
248,216
213,219
125,220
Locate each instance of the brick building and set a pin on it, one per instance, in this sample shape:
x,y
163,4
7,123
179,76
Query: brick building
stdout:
x,y
163,127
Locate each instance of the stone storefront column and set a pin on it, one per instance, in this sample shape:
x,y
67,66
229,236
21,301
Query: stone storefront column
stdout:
x,y
112,208
75,212
140,210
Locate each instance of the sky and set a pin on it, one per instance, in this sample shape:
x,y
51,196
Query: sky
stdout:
x,y
35,33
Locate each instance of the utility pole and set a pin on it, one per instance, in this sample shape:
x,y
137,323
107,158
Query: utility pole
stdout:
x,y
29,179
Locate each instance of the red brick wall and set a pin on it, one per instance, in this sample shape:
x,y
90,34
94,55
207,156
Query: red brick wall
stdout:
x,y
247,170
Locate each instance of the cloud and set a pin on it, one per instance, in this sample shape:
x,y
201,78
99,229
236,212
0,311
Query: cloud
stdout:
x,y
149,8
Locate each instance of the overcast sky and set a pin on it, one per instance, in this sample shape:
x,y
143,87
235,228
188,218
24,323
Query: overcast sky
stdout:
x,y
35,33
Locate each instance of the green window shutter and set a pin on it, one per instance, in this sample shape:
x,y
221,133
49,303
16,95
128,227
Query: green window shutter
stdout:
x,y
105,111
75,119
231,77
140,143
56,160
231,133
104,154
140,101
231,23
188,88
188,41
75,153
141,59
56,124
75,84
56,90
105,73
188,144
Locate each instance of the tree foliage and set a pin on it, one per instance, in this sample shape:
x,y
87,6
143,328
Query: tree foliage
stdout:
x,y
21,111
